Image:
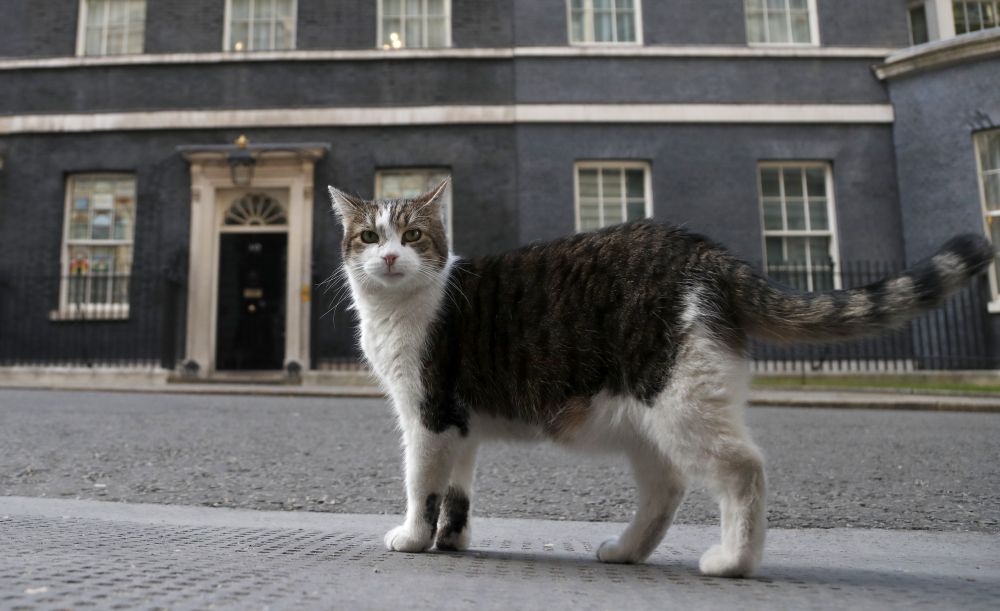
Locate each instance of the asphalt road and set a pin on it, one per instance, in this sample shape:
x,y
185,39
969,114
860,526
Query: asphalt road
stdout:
x,y
827,468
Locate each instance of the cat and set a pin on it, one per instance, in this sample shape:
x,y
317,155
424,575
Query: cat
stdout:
x,y
631,338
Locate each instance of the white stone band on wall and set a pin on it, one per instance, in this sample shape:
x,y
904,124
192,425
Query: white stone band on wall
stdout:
x,y
447,115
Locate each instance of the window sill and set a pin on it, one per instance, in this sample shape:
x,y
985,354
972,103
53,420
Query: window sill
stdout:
x,y
100,312
993,307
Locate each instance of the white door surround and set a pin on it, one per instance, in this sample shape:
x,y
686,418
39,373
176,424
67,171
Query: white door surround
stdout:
x,y
283,170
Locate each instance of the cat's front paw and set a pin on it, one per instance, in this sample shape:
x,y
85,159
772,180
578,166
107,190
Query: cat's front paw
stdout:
x,y
717,562
404,539
613,553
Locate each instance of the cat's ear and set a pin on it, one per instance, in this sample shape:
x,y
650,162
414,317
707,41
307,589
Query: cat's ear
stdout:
x,y
433,200
344,204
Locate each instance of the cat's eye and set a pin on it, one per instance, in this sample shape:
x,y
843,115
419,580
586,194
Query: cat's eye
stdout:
x,y
411,235
369,237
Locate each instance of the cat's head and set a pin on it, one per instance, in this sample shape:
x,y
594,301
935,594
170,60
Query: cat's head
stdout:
x,y
395,245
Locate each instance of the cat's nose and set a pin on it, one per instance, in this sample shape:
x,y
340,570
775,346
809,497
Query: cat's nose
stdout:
x,y
390,259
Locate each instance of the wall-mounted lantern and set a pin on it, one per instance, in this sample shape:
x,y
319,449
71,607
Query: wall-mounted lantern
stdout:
x,y
241,163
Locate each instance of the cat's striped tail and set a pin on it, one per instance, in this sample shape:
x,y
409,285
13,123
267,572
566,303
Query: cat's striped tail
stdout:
x,y
769,311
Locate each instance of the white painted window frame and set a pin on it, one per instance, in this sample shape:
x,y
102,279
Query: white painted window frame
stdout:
x,y
81,33
989,216
831,216
588,27
612,164
965,3
380,25
90,311
813,29
227,31
447,195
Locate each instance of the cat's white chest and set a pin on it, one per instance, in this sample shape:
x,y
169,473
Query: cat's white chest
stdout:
x,y
394,340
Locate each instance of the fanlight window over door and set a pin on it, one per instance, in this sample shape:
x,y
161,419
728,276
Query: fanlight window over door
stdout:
x,y
255,209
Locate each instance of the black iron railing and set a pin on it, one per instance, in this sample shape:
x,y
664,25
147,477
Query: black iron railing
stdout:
x,y
135,321
953,336
89,320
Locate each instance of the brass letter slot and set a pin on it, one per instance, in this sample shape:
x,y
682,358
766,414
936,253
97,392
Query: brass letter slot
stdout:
x,y
253,293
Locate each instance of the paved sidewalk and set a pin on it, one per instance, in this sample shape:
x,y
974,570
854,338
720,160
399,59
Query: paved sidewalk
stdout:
x,y
68,554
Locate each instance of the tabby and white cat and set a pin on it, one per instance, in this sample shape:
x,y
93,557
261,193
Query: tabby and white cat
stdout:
x,y
631,339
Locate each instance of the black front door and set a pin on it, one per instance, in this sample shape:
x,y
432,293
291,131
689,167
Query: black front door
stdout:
x,y
251,317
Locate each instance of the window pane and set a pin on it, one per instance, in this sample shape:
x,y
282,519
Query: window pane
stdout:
x,y
795,213
613,189
263,10
793,182
590,216
135,35
800,28
413,8
770,187
392,31
261,39
612,212
973,17
437,32
635,184
635,209
239,35
777,28
240,9
798,5
413,35
117,13
772,214
93,43
918,25
796,250
754,5
995,237
282,35
576,27
626,27
991,189
95,13
819,252
755,27
588,184
989,151
435,7
776,5
959,13
603,27
816,182
285,8
818,220
116,40
822,264
775,252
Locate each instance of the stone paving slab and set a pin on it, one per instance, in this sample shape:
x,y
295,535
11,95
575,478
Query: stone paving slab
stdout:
x,y
57,554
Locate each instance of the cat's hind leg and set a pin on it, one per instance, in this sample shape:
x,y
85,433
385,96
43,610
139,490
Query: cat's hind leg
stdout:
x,y
453,532
700,421
430,458
660,490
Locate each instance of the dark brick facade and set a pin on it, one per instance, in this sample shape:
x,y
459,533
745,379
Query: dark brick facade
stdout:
x,y
513,183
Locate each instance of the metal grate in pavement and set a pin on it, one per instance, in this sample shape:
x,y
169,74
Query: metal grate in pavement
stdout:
x,y
50,562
